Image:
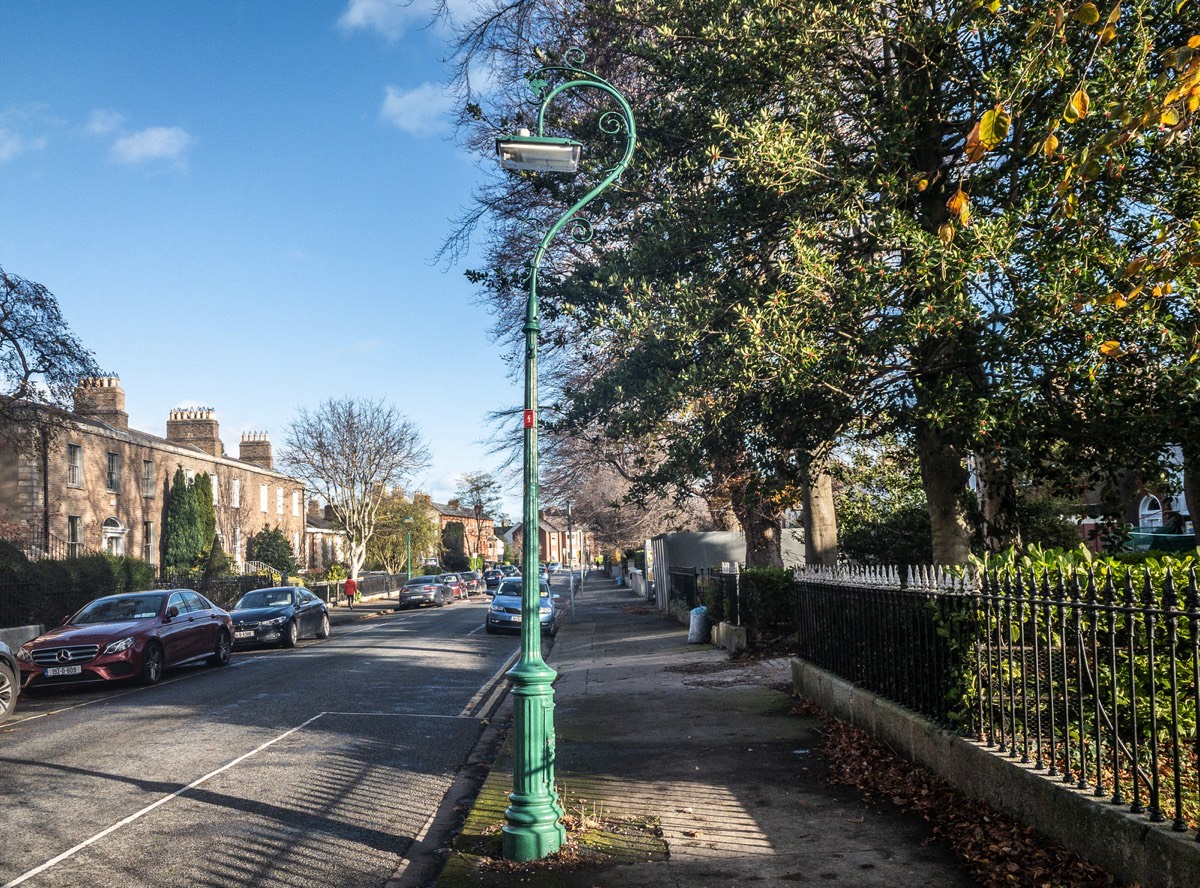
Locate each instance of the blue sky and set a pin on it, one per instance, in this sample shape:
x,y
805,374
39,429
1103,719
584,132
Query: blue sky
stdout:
x,y
238,203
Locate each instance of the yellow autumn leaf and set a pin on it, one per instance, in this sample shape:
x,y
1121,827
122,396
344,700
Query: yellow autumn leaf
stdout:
x,y
1115,15
1108,35
959,205
1134,266
922,184
1193,42
1110,348
1193,102
1050,146
975,149
1088,14
1077,108
946,232
1168,117
993,129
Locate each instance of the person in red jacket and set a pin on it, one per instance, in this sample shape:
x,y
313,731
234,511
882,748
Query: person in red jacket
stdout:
x,y
350,589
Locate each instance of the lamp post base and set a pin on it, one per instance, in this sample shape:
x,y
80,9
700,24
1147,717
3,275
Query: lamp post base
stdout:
x,y
533,829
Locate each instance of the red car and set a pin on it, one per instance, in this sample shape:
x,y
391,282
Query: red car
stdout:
x,y
456,584
138,635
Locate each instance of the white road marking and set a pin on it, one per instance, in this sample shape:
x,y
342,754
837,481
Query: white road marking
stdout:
x,y
71,852
137,815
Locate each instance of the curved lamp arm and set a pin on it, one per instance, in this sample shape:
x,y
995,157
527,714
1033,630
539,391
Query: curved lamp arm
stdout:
x,y
611,122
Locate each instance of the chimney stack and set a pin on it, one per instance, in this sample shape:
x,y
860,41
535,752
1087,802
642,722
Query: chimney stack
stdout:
x,y
196,427
256,449
102,398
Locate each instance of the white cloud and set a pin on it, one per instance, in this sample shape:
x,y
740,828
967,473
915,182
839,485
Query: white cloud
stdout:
x,y
424,109
154,143
13,144
390,18
103,122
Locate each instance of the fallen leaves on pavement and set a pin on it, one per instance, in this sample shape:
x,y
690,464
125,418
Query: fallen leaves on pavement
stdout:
x,y
998,851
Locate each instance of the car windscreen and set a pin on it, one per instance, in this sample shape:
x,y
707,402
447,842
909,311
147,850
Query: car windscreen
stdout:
x,y
119,610
422,581
264,598
510,587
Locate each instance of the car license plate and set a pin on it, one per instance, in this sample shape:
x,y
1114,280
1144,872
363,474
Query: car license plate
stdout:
x,y
516,618
249,633
64,670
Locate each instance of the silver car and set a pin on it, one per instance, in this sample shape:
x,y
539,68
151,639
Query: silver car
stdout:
x,y
504,613
421,591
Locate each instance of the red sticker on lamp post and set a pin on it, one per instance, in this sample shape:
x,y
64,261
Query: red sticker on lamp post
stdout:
x,y
528,419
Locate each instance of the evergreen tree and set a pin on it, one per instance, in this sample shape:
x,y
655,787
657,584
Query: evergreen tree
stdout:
x,y
182,531
270,546
216,565
205,509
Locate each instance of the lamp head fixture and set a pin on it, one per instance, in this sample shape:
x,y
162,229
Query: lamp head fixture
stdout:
x,y
538,153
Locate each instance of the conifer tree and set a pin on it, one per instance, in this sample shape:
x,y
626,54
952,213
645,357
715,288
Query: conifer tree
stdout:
x,y
182,531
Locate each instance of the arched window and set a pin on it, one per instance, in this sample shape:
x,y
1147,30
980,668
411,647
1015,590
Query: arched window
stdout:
x,y
1151,509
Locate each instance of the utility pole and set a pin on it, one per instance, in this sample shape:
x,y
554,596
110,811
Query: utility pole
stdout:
x,y
571,560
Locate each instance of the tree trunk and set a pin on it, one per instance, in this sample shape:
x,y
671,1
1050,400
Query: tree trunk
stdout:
x,y
358,557
997,503
762,526
944,478
819,521
1191,483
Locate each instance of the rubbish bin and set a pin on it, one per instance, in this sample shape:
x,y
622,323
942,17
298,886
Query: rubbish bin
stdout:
x,y
698,628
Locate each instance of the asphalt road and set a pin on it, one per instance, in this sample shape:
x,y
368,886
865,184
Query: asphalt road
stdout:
x,y
314,766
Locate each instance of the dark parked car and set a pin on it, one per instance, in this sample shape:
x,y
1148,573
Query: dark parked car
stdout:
x,y
510,570
10,687
492,577
473,580
504,613
420,591
455,583
138,635
280,615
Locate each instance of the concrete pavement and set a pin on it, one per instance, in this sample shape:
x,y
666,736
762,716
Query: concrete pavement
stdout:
x,y
679,766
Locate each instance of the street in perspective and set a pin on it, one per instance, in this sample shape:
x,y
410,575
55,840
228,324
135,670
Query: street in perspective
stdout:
x,y
316,765
597,445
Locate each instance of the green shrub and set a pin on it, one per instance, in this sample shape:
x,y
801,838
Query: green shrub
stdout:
x,y
712,595
768,598
13,562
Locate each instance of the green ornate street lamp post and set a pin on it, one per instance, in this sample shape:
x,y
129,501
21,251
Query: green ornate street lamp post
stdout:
x,y
532,830
408,545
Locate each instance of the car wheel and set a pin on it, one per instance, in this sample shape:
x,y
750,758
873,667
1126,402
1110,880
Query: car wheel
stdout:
x,y
221,652
152,664
291,634
323,629
8,691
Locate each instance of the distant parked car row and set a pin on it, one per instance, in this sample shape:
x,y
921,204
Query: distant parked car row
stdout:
x,y
439,590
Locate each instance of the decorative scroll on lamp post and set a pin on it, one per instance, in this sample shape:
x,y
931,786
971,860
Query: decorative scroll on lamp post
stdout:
x,y
532,828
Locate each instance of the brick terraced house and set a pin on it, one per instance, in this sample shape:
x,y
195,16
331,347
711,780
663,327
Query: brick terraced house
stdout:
x,y
103,486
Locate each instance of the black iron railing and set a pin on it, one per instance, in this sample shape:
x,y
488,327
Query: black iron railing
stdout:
x,y
1090,677
37,546
683,586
